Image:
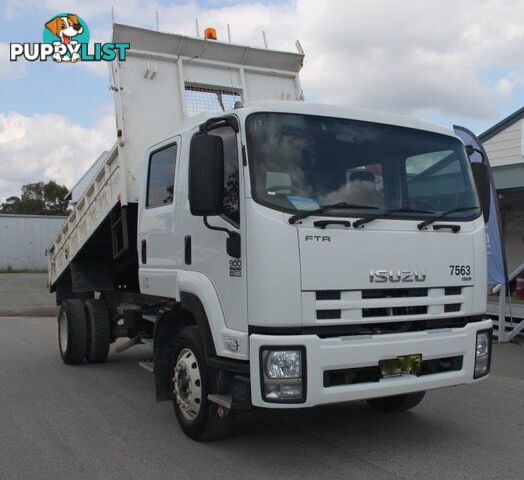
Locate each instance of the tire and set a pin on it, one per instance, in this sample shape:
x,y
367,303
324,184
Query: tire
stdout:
x,y
72,332
98,331
199,418
397,403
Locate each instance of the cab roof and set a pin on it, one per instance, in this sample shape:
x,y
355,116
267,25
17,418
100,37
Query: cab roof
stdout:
x,y
299,107
341,112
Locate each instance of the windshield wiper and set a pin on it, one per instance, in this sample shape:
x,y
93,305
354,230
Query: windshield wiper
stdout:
x,y
428,222
308,213
387,213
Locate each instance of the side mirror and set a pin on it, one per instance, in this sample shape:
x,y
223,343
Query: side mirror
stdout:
x,y
482,182
233,245
470,150
206,175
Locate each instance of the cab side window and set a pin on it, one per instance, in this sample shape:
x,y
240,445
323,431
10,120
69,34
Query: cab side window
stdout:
x,y
161,177
231,200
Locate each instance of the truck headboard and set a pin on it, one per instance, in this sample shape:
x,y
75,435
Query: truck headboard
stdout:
x,y
167,78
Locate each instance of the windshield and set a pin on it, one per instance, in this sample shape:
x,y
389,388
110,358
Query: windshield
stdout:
x,y
303,162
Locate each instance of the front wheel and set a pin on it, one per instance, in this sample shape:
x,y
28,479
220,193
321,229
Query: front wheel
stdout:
x,y
192,380
397,403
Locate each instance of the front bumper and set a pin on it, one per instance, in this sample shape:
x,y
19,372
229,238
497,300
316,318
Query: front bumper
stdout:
x,y
350,352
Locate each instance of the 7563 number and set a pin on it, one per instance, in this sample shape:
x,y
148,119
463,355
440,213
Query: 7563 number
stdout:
x,y
460,270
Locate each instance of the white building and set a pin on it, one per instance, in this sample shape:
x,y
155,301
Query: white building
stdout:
x,y
504,144
24,240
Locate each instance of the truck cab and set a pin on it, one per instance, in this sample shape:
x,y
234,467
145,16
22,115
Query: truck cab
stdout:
x,y
343,289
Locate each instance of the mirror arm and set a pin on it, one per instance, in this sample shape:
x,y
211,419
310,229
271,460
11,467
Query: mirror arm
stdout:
x,y
470,149
218,229
233,240
217,122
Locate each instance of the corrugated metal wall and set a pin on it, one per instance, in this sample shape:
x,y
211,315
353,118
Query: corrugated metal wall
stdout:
x,y
24,240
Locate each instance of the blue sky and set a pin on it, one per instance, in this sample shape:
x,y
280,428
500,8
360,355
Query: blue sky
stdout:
x,y
460,64
44,88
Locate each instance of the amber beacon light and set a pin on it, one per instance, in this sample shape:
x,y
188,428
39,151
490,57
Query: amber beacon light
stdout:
x,y
210,34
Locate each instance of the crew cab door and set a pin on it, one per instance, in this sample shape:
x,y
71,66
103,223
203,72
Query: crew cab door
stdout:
x,y
157,256
209,251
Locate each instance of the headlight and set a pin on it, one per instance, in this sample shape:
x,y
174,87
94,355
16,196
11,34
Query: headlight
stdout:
x,y
482,344
283,376
283,364
482,354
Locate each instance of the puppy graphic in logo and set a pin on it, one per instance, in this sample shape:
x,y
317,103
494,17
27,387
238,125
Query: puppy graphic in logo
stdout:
x,y
66,28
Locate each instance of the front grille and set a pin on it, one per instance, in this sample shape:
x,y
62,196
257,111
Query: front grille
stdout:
x,y
375,328
395,293
371,374
385,303
452,307
394,311
452,291
328,314
328,295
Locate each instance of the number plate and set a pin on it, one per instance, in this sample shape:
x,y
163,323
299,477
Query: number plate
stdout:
x,y
403,365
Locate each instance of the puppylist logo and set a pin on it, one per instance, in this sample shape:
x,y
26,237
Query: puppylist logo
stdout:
x,y
66,39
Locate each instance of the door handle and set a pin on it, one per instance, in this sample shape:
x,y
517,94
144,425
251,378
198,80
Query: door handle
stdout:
x,y
187,250
144,251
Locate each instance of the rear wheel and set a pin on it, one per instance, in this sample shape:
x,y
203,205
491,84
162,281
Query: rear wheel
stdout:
x,y
192,380
397,403
72,330
98,331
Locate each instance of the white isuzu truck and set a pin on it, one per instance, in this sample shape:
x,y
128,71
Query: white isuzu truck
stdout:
x,y
273,253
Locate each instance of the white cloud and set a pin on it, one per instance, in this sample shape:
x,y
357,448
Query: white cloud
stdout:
x,y
10,70
408,56
46,147
506,85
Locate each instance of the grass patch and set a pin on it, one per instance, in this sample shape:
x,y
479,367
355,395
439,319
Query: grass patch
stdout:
x,y
10,269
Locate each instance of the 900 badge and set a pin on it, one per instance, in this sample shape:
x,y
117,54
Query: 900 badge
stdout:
x,y
235,268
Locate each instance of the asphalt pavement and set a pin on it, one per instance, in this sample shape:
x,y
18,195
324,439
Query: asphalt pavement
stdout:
x,y
102,422
25,294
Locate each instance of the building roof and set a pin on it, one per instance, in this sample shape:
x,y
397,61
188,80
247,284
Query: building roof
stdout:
x,y
503,124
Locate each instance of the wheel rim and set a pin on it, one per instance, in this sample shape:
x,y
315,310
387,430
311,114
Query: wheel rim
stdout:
x,y
62,332
187,382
